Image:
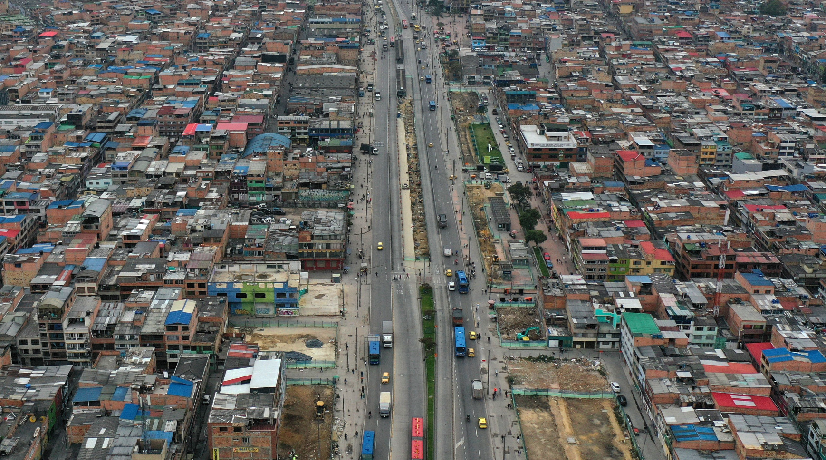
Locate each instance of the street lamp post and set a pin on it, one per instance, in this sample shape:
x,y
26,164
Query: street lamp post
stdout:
x,y
503,447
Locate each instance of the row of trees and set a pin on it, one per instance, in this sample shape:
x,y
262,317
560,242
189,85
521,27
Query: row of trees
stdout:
x,y
528,216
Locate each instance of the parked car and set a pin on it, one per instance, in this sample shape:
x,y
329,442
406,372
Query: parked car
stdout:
x,y
621,400
546,256
615,387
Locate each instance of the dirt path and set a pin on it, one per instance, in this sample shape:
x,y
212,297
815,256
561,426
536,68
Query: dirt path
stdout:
x,y
539,430
560,409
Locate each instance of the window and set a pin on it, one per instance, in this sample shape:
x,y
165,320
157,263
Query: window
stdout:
x,y
245,440
236,429
223,429
260,295
241,295
24,342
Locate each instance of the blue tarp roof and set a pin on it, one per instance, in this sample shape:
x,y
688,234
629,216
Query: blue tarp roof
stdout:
x,y
186,212
787,188
180,387
121,394
756,280
129,412
96,137
87,394
178,317
46,248
779,355
262,142
43,125
94,263
693,433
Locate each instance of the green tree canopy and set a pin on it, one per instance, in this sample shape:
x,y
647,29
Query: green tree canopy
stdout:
x,y
537,236
528,219
773,8
519,192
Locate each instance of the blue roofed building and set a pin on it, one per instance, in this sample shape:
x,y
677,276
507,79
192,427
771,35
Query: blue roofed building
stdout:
x,y
179,329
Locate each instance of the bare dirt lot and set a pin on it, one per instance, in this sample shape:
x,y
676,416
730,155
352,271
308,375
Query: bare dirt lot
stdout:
x,y
515,320
562,375
571,429
478,196
464,108
294,339
420,239
301,430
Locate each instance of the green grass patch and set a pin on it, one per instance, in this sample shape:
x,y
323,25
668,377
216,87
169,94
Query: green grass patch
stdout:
x,y
541,262
429,349
483,134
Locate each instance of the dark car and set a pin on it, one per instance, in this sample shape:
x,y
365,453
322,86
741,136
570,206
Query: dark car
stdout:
x,y
279,212
621,400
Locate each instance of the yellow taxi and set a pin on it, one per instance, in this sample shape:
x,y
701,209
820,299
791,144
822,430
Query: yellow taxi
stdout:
x,y
385,378
380,246
472,335
471,352
448,272
483,422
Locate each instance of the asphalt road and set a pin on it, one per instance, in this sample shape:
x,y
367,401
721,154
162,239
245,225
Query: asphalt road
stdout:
x,y
455,438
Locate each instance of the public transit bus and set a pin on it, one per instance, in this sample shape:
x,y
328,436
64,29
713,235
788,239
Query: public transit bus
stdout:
x,y
392,41
417,439
368,444
461,347
461,276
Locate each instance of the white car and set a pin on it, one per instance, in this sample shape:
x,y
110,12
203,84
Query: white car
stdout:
x,y
451,286
615,387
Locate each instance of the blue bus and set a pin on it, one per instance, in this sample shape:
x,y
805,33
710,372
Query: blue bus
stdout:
x,y
461,347
461,276
428,79
374,351
367,445
433,106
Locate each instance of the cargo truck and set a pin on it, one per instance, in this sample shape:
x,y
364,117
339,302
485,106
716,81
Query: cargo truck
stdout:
x,y
384,404
458,317
387,334
373,349
476,389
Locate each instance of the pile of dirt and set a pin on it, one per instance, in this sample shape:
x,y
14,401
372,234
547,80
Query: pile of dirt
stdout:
x,y
464,106
314,343
420,240
515,320
301,432
562,375
294,356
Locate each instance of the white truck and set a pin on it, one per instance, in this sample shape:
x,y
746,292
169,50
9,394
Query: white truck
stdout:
x,y
387,334
384,404
447,252
476,389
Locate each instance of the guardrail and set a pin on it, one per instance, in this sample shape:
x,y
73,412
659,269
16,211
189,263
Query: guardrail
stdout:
x,y
312,381
254,322
507,343
316,363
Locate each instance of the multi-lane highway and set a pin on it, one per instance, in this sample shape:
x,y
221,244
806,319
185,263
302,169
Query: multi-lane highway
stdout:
x,y
396,299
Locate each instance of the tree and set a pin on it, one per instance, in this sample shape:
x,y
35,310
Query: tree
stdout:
x,y
537,236
519,192
529,218
428,343
773,8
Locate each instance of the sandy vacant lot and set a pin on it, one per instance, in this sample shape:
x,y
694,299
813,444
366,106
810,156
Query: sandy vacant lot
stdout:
x,y
295,339
571,429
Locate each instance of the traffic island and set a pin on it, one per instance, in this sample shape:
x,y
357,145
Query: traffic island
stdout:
x,y
429,351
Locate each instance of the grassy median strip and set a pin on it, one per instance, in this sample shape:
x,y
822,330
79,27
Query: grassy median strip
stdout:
x,y
540,260
429,347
